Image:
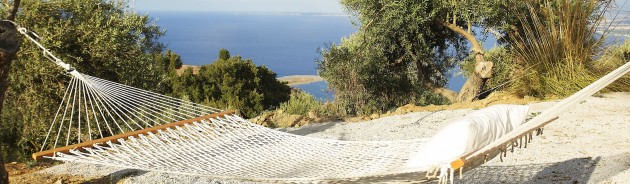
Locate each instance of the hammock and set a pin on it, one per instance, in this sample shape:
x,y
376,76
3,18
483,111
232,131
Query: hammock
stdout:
x,y
107,123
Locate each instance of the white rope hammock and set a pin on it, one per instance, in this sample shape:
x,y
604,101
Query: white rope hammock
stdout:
x,y
107,123
221,146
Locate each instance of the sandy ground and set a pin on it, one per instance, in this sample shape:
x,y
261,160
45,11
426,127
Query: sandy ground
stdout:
x,y
300,79
184,67
291,79
590,143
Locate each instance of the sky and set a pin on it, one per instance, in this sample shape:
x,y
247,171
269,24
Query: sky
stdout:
x,y
311,6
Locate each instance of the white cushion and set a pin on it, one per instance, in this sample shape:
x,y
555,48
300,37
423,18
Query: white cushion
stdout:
x,y
468,134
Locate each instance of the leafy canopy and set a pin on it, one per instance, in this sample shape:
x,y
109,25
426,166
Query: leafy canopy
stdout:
x,y
401,52
233,83
106,39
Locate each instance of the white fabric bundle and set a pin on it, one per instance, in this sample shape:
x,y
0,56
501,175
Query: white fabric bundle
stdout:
x,y
468,134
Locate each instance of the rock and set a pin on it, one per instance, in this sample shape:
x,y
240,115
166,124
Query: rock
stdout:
x,y
312,114
266,116
366,118
353,119
59,181
288,120
375,116
407,109
303,122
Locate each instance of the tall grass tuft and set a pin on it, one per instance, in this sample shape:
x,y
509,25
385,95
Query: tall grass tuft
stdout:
x,y
556,46
302,103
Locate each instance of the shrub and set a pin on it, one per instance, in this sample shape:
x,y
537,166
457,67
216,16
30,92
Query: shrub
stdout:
x,y
233,83
365,81
555,47
300,103
614,57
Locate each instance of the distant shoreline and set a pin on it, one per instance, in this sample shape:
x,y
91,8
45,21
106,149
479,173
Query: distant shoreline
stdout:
x,y
291,80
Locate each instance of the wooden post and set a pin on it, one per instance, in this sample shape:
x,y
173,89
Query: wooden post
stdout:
x,y
114,139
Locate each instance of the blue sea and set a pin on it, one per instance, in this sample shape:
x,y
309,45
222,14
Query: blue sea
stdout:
x,y
286,43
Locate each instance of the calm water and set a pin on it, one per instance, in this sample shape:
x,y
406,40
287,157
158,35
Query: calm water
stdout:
x,y
285,43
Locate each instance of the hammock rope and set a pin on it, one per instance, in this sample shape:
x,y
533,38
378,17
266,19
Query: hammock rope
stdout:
x,y
107,123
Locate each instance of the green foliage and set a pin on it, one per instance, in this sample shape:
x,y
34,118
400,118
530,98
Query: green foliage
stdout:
x,y
478,13
224,54
555,47
301,103
102,38
614,57
233,83
169,59
365,83
401,52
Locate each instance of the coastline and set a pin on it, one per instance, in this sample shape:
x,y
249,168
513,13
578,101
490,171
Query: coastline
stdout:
x,y
292,80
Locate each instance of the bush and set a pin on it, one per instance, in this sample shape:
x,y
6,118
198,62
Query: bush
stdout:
x,y
366,82
233,83
614,57
302,103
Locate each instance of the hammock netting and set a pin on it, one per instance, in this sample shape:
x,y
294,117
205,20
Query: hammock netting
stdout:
x,y
226,146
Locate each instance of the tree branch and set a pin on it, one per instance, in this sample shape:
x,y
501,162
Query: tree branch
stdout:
x,y
14,10
476,47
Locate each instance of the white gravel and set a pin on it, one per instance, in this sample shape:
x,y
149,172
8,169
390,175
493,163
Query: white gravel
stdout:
x,y
588,144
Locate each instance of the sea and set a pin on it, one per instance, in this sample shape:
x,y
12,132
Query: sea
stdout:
x,y
287,43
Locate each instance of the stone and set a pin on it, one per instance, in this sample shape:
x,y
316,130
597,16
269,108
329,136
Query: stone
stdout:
x,y
353,119
288,120
375,116
303,122
366,118
312,114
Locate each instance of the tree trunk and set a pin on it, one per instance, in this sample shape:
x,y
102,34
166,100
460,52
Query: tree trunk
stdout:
x,y
444,92
9,46
483,69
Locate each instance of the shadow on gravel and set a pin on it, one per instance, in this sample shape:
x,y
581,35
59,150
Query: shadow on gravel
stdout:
x,y
613,165
117,176
577,170
569,171
311,129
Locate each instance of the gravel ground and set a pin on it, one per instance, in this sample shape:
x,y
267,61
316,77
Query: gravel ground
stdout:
x,y
589,143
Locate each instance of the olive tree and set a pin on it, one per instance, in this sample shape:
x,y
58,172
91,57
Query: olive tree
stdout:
x,y
105,39
404,49
9,46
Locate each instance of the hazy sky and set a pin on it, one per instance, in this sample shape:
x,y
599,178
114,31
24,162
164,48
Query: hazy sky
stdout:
x,y
329,6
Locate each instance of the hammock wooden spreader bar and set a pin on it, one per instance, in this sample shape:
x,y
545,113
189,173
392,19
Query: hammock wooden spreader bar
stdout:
x,y
468,159
114,139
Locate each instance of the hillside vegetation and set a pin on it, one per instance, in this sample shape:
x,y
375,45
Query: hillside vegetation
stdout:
x,y
397,62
